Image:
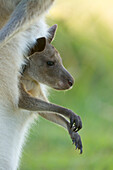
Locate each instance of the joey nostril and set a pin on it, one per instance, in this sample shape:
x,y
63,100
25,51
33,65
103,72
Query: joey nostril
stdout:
x,y
70,82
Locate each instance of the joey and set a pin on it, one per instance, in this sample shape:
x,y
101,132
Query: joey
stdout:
x,y
45,66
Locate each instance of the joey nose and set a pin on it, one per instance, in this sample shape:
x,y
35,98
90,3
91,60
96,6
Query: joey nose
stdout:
x,y
70,82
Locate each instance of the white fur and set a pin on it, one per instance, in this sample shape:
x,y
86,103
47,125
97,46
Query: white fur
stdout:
x,y
14,122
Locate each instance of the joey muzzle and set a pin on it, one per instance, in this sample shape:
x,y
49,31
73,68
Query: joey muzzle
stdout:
x,y
65,83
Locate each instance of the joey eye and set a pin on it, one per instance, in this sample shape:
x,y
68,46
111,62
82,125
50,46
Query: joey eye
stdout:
x,y
50,63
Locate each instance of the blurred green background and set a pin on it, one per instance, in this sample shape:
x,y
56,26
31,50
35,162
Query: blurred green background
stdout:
x,y
85,42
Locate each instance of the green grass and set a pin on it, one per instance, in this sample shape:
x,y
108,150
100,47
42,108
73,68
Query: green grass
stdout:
x,y
87,53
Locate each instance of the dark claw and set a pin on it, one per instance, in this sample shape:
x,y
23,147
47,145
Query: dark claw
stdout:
x,y
74,121
81,151
76,146
73,142
80,123
80,146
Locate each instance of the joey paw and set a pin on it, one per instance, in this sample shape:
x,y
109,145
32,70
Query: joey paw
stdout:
x,y
75,121
76,139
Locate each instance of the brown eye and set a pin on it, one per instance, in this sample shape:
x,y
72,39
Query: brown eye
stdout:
x,y
50,63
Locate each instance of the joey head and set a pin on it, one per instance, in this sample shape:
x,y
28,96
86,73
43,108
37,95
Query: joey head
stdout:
x,y
45,66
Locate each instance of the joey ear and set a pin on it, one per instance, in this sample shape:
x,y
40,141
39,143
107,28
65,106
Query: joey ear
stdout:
x,y
39,46
41,43
52,31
